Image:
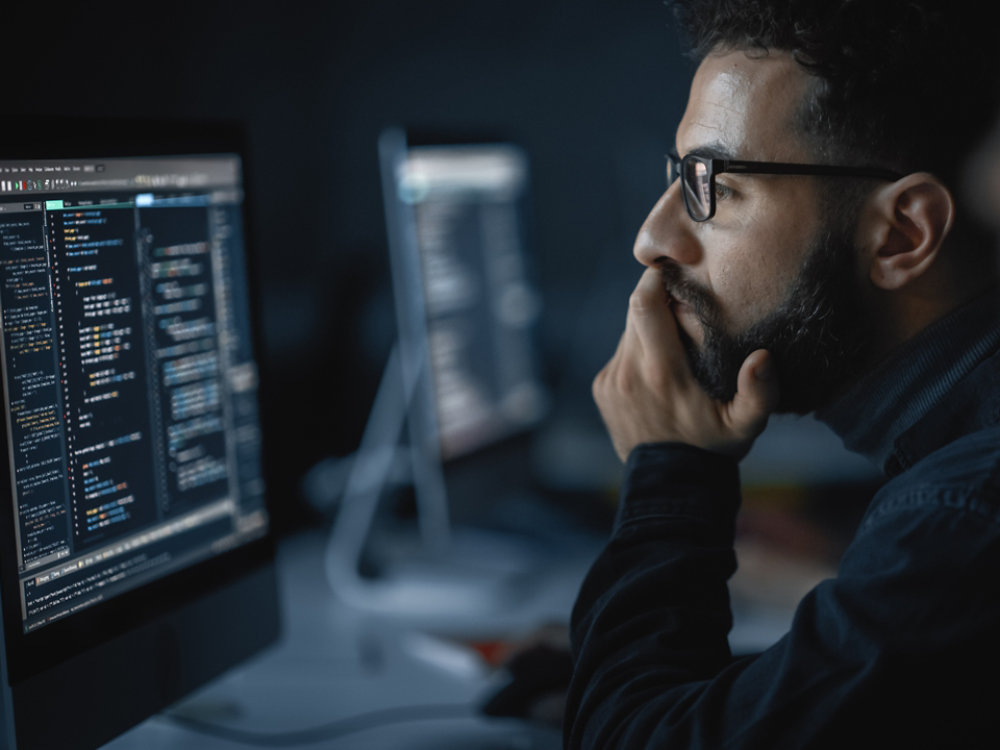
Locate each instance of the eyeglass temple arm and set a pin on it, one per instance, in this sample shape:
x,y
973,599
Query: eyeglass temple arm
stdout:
x,y
766,167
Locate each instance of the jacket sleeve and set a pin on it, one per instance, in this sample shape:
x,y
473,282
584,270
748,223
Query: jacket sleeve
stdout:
x,y
652,617
886,648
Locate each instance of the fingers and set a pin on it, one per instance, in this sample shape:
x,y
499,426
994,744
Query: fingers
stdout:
x,y
756,395
649,315
647,393
652,327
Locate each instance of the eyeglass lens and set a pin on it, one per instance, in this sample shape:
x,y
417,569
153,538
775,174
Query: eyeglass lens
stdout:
x,y
696,184
697,188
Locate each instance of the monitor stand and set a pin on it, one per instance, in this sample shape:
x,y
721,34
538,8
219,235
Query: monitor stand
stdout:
x,y
441,575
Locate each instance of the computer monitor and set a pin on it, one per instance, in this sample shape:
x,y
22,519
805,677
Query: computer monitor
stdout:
x,y
136,552
465,298
464,376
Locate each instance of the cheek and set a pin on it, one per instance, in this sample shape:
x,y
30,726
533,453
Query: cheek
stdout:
x,y
791,236
749,287
755,260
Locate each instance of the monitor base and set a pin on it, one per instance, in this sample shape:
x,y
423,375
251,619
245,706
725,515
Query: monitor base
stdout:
x,y
477,578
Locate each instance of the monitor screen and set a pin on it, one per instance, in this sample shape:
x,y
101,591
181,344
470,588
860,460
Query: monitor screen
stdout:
x,y
131,404
131,429
461,210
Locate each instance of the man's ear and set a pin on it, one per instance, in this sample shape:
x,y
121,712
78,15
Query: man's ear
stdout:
x,y
903,226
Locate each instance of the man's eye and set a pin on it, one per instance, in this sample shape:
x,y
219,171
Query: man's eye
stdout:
x,y
722,191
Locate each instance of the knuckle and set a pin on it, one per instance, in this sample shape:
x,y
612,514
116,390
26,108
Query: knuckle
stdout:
x,y
603,383
639,301
597,385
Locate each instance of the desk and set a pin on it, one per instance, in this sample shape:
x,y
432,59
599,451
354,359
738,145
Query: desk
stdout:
x,y
334,663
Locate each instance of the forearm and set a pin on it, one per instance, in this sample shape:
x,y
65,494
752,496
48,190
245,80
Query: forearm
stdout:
x,y
653,615
893,640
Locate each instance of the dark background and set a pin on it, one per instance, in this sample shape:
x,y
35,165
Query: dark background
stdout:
x,y
592,89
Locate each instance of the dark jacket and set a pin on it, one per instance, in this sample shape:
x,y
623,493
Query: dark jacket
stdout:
x,y
900,649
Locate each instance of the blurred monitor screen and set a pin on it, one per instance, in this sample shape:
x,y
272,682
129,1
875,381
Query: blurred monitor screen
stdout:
x,y
461,250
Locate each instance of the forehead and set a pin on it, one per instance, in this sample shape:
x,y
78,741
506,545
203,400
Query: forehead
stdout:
x,y
746,105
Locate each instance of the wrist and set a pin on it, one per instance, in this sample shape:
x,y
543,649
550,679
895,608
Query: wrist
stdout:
x,y
679,480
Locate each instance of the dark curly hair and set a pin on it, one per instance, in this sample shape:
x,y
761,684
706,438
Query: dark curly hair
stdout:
x,y
906,84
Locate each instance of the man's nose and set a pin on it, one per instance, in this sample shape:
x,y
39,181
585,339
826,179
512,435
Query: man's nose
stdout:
x,y
667,233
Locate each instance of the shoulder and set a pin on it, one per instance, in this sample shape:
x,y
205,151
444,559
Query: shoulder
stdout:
x,y
938,521
963,476
921,570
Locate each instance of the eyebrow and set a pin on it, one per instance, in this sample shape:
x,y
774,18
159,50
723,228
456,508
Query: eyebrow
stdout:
x,y
713,151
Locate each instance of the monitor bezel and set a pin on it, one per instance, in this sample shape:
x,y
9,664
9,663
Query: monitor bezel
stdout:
x,y
30,654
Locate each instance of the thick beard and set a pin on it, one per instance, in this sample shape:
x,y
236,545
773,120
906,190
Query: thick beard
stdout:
x,y
817,336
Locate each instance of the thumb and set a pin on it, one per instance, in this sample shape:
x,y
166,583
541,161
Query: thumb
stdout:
x,y
756,394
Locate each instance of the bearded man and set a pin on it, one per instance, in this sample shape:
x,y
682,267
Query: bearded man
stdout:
x,y
814,252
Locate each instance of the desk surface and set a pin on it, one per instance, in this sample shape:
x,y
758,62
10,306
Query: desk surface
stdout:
x,y
363,681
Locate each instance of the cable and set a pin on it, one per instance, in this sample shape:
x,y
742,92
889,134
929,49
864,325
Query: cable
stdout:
x,y
331,730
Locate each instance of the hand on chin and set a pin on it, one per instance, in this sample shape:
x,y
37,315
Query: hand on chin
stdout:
x,y
647,392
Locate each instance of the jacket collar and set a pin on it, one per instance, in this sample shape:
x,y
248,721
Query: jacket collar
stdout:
x,y
909,405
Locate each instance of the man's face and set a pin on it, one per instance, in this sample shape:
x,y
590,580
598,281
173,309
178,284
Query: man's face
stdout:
x,y
772,269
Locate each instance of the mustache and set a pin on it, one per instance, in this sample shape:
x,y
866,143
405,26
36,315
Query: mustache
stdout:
x,y
683,289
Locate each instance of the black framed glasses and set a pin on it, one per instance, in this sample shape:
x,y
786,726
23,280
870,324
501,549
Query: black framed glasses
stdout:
x,y
698,173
